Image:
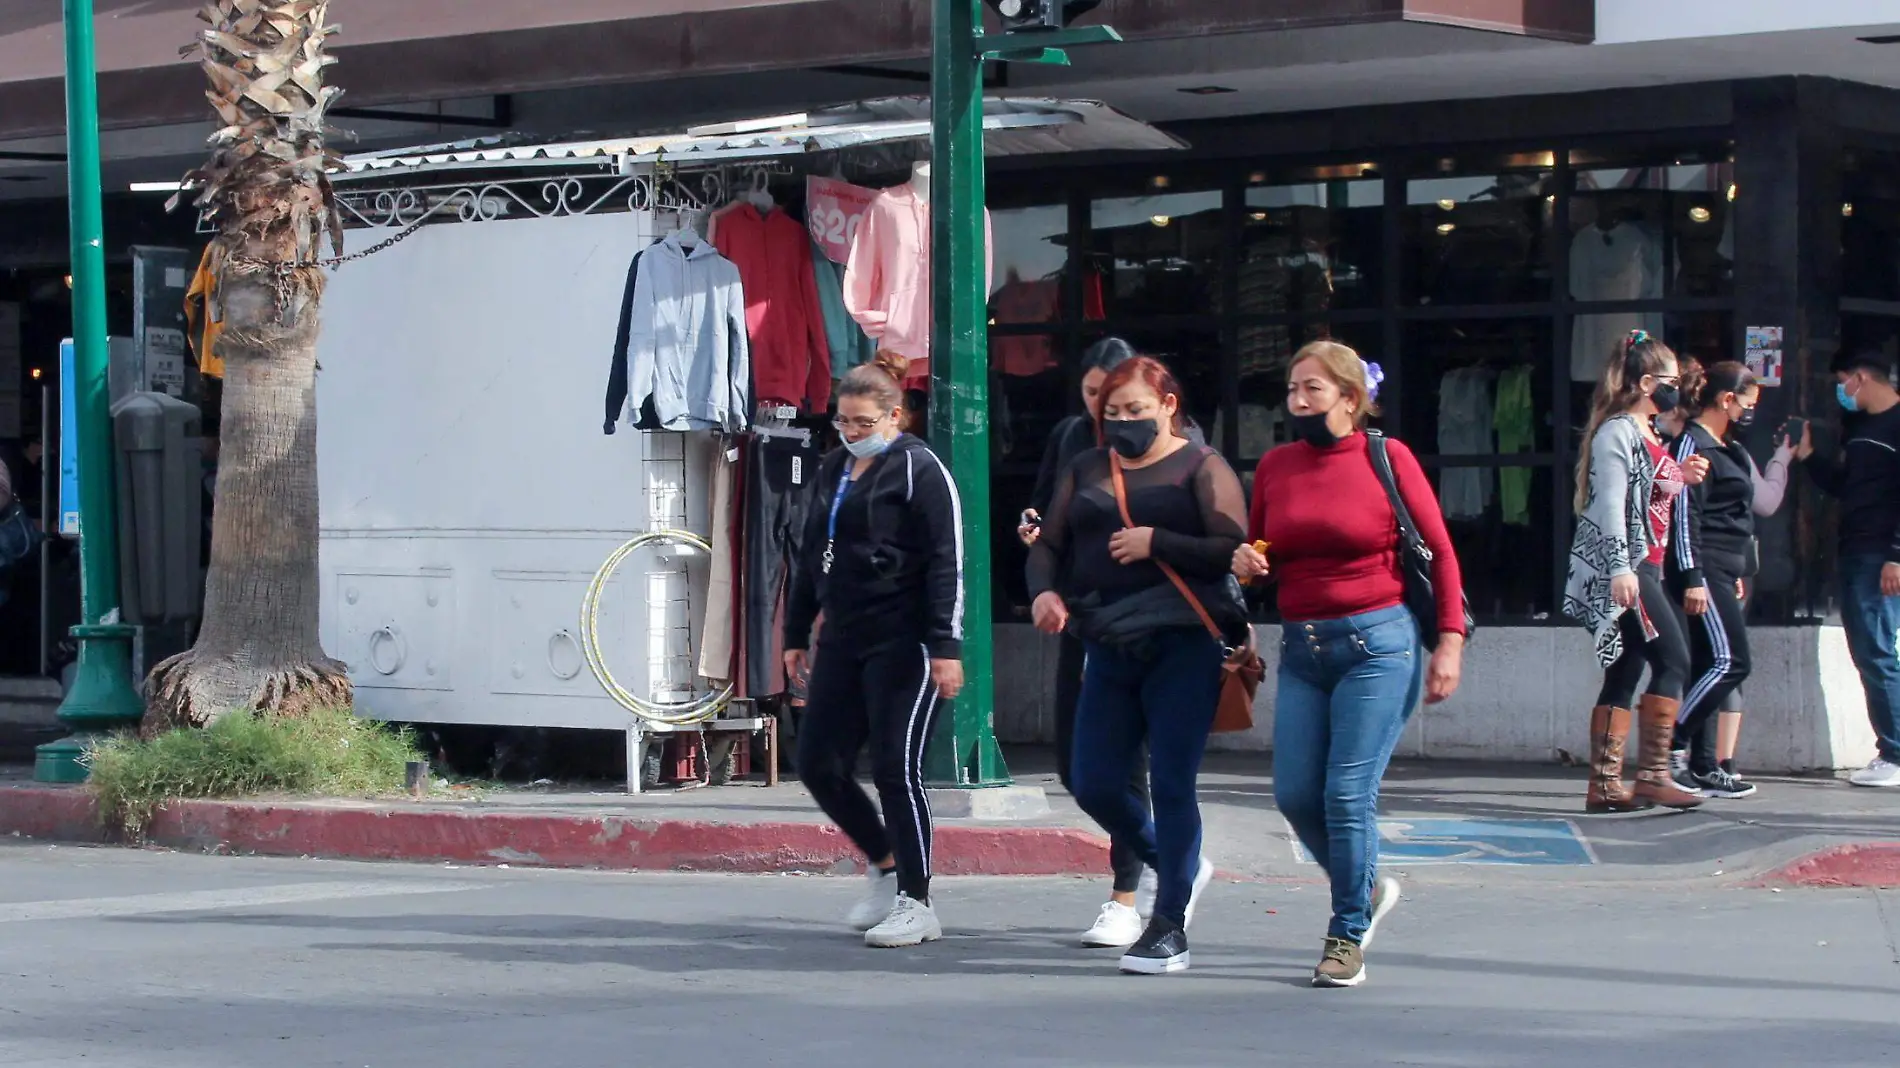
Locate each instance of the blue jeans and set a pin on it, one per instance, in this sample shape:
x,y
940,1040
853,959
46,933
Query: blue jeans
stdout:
x,y
1347,686
1167,699
1873,625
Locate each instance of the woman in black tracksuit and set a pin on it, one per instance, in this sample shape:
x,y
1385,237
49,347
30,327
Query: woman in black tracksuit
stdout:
x,y
1715,533
882,558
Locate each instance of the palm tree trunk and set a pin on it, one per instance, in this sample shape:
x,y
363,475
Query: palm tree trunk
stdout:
x,y
265,185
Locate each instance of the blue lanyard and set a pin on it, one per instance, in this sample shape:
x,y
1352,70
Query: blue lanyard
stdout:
x,y
837,504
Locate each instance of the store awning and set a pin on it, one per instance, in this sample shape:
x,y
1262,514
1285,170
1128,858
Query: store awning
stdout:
x,y
1014,127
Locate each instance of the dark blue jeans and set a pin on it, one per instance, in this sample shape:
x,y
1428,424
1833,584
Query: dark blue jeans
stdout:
x,y
1873,625
1166,699
1347,686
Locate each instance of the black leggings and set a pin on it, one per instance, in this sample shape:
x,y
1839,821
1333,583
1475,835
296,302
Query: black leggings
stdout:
x,y
1123,859
1718,641
883,697
1667,656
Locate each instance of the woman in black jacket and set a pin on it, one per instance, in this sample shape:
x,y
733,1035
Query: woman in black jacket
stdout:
x,y
1710,558
1153,671
882,558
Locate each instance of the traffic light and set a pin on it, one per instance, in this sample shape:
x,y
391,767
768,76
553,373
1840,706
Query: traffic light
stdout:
x,y
1020,15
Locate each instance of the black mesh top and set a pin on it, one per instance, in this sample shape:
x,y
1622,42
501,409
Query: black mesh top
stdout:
x,y
1191,498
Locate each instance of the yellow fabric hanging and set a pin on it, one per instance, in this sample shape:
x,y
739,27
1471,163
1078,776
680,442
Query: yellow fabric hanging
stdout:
x,y
204,320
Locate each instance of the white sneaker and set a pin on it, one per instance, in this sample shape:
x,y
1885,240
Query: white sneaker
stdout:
x,y
1882,772
1385,898
1145,893
880,894
1118,925
1201,878
911,923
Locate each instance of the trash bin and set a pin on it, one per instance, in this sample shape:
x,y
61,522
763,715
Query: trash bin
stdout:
x,y
161,509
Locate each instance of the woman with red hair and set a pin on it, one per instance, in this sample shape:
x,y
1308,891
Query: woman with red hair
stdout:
x,y
1142,531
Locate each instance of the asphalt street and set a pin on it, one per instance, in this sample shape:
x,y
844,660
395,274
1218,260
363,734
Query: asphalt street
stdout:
x,y
119,959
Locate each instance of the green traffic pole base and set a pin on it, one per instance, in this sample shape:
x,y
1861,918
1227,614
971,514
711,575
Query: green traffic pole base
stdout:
x,y
101,701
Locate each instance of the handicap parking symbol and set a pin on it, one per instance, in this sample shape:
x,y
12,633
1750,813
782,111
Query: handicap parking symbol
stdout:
x,y
1478,841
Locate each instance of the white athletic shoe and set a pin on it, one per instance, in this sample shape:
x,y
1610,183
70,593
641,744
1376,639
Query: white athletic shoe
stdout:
x,y
1201,878
1385,898
1118,925
911,923
1145,893
1882,772
880,894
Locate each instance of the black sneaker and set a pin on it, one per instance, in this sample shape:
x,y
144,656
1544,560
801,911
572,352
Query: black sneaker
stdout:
x,y
1723,783
1161,949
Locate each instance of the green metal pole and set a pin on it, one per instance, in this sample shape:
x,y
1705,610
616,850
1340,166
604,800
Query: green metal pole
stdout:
x,y
963,751
102,698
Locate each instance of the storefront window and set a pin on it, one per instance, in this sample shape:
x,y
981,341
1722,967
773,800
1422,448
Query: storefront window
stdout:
x,y
1648,231
1028,256
1478,232
1154,256
1477,387
1870,226
1307,248
1501,521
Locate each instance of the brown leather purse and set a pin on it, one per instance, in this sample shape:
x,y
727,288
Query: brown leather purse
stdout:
x,y
1242,671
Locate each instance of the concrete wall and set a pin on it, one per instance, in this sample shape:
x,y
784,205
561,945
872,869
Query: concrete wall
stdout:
x,y
1526,698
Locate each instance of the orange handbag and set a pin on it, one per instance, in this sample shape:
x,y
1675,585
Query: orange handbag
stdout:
x,y
1242,671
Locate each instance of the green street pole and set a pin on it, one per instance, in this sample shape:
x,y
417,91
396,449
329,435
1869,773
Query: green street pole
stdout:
x,y
963,751
102,698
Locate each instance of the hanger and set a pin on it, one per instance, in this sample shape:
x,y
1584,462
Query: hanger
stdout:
x,y
759,196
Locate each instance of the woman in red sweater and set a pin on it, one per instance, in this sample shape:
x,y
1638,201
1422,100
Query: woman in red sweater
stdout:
x,y
1351,660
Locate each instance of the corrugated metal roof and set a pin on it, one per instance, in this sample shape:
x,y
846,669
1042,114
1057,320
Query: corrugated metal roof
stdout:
x,y
1015,127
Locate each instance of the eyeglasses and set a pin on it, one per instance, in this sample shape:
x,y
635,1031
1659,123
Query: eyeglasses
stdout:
x,y
860,423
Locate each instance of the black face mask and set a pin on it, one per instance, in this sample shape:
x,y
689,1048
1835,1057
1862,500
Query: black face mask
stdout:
x,y
1666,398
1312,429
1745,419
1131,437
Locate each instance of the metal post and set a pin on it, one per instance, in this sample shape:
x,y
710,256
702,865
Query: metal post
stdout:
x,y
102,698
963,751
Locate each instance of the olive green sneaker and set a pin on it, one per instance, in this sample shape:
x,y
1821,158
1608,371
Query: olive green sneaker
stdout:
x,y
1344,964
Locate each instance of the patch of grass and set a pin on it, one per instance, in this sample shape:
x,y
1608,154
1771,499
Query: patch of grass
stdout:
x,y
331,753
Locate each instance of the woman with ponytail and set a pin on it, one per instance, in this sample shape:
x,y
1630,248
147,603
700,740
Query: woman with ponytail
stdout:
x,y
1627,484
882,558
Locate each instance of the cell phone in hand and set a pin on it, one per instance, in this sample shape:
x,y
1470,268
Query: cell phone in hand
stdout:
x,y
1028,519
1791,431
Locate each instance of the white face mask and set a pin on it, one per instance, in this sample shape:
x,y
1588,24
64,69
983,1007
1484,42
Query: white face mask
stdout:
x,y
868,446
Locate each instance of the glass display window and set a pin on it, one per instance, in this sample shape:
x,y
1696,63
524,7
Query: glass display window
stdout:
x,y
1478,231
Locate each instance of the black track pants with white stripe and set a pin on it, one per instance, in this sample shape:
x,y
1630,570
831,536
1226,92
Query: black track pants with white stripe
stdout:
x,y
1718,660
882,697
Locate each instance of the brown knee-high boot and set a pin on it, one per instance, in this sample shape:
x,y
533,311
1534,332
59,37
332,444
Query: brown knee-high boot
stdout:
x,y
1656,730
1609,731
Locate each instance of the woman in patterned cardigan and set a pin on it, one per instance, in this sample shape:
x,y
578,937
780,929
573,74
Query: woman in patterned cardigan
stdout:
x,y
1626,482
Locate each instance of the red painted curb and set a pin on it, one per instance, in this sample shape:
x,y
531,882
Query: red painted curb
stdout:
x,y
434,835
1862,864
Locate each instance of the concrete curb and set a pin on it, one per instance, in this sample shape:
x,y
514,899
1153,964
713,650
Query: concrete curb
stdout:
x,y
366,831
1861,864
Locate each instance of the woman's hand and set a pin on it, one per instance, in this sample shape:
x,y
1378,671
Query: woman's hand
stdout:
x,y
1446,667
1806,448
1029,528
1133,545
1695,600
1741,590
1624,591
1694,470
797,663
1050,614
1890,580
1249,563
948,675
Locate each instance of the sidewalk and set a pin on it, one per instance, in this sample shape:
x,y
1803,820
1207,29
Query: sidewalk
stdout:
x,y
1441,823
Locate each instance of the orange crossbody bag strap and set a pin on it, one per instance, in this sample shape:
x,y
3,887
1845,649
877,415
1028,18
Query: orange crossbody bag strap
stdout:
x,y
1121,502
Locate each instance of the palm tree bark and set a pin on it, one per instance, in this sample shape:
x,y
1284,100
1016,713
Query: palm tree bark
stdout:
x,y
266,186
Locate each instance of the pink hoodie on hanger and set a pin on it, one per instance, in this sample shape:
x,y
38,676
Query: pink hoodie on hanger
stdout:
x,y
887,278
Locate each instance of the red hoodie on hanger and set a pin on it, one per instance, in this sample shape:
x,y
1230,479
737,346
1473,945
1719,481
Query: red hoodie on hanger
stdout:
x,y
791,357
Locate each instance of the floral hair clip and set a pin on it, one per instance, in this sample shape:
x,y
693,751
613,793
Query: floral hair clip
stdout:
x,y
1375,377
1637,337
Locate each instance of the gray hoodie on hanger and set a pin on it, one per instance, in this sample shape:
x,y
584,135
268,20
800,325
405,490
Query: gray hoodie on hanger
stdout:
x,y
685,338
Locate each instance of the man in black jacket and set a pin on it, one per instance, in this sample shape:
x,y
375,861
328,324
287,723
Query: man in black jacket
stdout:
x,y
1866,479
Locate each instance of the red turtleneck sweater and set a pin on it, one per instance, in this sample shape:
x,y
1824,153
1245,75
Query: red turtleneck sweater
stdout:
x,y
1334,537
